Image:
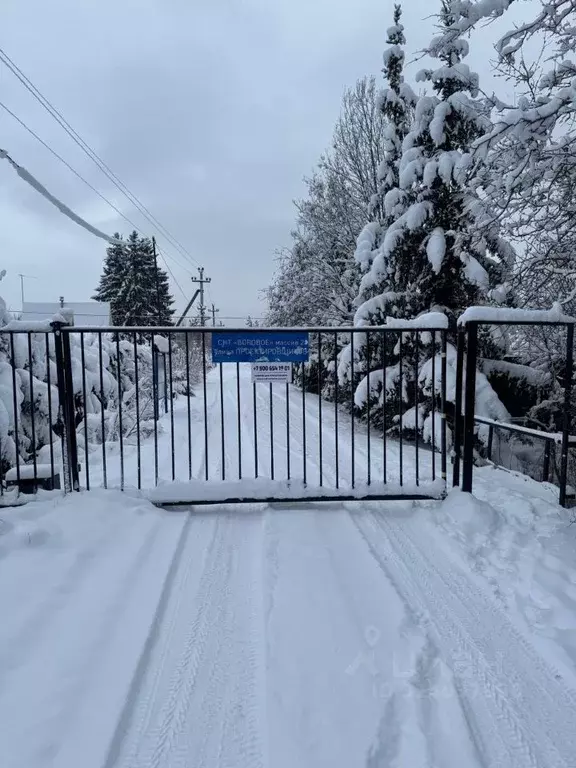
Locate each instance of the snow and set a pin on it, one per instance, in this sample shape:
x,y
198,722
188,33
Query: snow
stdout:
x,y
82,583
436,248
474,12
436,128
395,29
500,293
488,403
459,72
34,326
162,344
365,244
393,52
446,164
517,371
392,199
555,437
432,430
507,315
290,634
409,172
433,321
390,375
35,184
475,272
412,417
84,313
29,472
417,214
282,490
377,305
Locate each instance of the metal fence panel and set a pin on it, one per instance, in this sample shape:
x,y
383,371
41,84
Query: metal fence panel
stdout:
x,y
142,407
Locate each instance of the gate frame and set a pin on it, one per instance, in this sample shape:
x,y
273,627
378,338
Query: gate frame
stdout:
x,y
66,406
374,331
467,347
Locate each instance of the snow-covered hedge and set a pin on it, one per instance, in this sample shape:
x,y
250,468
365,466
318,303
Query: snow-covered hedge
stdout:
x,y
105,371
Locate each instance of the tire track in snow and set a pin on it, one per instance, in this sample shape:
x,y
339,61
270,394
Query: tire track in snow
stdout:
x,y
390,565
200,699
409,683
138,713
519,715
175,659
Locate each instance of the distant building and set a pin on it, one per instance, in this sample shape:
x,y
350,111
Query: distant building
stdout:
x,y
86,313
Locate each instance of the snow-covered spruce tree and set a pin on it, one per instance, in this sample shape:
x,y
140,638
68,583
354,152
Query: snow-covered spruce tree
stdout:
x,y
112,279
138,291
443,251
144,298
376,297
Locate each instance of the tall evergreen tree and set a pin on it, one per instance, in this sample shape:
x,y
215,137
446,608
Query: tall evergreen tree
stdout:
x,y
145,297
442,250
138,290
376,295
397,103
112,279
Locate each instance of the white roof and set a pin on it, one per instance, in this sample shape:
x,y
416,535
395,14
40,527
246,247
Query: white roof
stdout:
x,y
86,313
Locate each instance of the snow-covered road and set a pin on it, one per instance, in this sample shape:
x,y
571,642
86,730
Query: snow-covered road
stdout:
x,y
337,637
341,635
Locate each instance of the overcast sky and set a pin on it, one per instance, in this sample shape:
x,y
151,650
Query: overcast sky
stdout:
x,y
210,111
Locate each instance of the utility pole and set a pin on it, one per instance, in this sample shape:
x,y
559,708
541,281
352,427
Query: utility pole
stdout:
x,y
203,281
214,310
22,277
157,278
192,300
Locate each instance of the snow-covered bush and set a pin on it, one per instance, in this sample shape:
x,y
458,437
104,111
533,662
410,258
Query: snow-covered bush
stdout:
x,y
113,388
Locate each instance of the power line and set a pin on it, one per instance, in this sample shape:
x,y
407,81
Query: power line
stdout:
x,y
75,136
62,207
90,186
12,66
163,255
70,168
78,312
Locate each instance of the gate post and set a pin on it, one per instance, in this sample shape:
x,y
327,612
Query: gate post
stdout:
x,y
155,381
566,412
469,406
458,406
66,408
443,372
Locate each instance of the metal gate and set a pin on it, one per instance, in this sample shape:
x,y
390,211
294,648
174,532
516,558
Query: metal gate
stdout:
x,y
348,413
467,446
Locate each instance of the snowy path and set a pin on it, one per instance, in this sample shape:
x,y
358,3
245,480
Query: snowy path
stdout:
x,y
335,637
378,635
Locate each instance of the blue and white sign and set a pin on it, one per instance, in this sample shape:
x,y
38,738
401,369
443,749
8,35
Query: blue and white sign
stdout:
x,y
259,347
